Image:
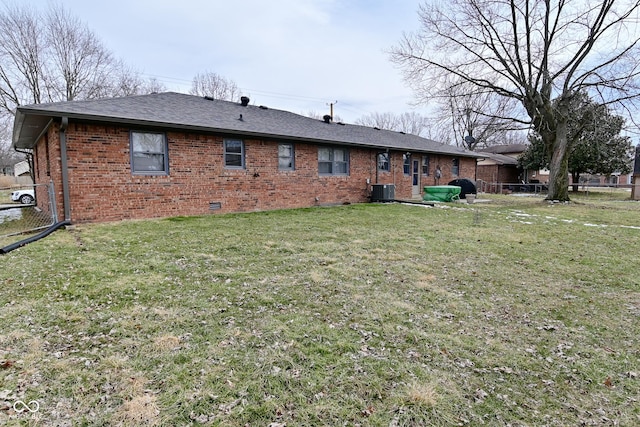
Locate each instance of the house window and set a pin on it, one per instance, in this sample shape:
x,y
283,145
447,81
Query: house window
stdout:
x,y
149,153
333,161
406,163
286,157
383,162
455,166
233,154
425,165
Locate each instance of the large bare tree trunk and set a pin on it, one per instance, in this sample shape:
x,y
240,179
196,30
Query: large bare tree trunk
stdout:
x,y
559,165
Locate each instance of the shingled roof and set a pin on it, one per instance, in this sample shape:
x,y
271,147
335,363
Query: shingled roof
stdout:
x,y
176,111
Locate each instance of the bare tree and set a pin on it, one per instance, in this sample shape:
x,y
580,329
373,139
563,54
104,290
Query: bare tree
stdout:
x,y
476,118
22,58
80,66
215,86
540,53
53,56
408,122
126,81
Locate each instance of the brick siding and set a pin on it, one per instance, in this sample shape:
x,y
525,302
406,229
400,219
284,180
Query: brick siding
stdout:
x,y
103,188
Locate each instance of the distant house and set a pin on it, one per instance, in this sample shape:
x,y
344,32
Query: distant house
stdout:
x,y
501,165
494,168
6,170
170,154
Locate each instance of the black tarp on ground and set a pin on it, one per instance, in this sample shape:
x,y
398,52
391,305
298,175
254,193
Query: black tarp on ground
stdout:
x,y
467,187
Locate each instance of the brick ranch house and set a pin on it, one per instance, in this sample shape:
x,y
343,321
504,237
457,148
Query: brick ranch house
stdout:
x,y
169,154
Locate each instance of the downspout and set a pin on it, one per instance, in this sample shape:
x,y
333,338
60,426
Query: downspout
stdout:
x,y
63,163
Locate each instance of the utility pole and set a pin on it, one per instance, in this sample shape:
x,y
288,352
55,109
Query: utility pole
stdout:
x,y
331,104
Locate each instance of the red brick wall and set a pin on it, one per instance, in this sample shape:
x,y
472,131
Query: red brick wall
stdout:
x,y
404,182
102,187
498,173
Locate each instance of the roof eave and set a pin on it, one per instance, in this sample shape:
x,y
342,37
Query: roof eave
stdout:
x,y
31,122
27,129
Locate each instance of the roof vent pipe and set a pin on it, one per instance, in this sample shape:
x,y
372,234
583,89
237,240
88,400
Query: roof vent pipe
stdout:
x,y
244,101
326,118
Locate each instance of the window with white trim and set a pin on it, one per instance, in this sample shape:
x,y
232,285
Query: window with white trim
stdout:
x,y
149,153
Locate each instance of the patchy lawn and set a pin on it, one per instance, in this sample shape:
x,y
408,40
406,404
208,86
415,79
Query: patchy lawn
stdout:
x,y
514,312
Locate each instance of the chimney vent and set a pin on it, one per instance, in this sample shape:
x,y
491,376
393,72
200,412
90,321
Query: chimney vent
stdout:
x,y
244,101
326,118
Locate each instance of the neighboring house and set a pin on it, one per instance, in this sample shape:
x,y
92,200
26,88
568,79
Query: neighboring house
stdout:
x,y
498,168
507,171
502,164
171,154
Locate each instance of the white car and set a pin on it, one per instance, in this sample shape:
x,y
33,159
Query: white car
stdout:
x,y
24,196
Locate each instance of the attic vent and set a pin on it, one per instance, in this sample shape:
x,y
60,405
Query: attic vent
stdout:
x,y
376,128
209,98
326,118
244,101
341,124
263,107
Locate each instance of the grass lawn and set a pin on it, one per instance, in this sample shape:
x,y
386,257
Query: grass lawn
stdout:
x,y
514,312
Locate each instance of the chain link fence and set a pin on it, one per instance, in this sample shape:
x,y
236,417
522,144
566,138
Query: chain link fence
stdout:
x,y
25,210
602,191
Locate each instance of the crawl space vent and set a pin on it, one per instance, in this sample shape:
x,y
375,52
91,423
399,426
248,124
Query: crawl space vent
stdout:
x,y
214,206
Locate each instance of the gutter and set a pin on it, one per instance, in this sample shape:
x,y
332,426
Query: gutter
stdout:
x,y
63,164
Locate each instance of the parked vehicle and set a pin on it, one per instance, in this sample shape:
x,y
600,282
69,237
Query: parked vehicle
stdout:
x,y
25,197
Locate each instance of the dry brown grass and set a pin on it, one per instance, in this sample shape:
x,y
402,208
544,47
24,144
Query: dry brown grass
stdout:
x,y
141,410
423,394
166,343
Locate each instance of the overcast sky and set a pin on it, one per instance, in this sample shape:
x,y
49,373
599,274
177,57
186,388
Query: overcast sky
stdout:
x,y
295,55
